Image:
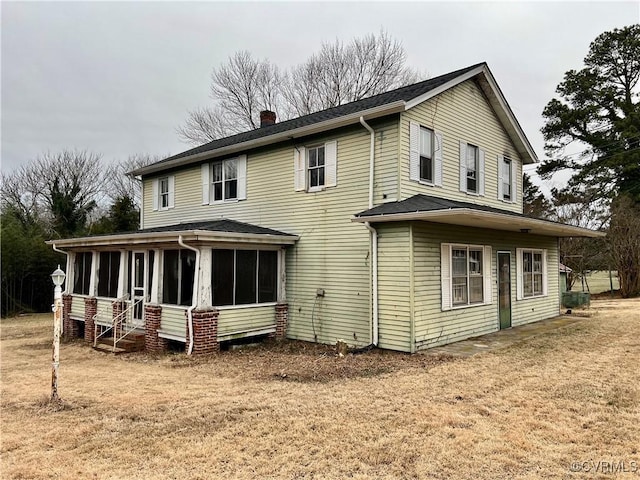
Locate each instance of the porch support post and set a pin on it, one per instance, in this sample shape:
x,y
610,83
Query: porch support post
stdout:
x,y
90,309
204,282
282,316
282,276
69,327
93,279
122,274
205,331
155,280
152,319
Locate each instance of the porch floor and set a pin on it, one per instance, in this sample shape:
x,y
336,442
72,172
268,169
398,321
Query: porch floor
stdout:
x,y
504,338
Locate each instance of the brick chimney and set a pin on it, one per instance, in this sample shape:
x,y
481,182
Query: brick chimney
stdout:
x,y
267,117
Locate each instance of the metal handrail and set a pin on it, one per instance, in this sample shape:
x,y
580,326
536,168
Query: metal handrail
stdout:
x,y
96,336
120,321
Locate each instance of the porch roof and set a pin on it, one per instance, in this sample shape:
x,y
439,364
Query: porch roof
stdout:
x,y
221,230
440,210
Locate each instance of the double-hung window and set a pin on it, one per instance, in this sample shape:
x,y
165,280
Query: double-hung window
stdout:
x,y
315,167
82,272
242,277
316,162
465,275
532,273
471,169
163,192
425,155
507,184
224,180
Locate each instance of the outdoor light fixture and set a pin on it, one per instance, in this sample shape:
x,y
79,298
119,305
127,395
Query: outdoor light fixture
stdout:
x,y
57,277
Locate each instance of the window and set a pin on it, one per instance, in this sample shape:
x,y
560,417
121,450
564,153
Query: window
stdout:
x,y
506,179
177,282
82,273
163,192
224,181
315,167
471,169
109,270
241,277
315,160
425,155
465,275
532,273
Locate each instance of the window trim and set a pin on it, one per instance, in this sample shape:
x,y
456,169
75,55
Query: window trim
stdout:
x,y
520,273
301,175
446,275
158,193
479,166
223,164
415,154
308,168
430,158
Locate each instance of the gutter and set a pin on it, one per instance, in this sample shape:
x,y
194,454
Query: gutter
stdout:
x,y
194,300
374,239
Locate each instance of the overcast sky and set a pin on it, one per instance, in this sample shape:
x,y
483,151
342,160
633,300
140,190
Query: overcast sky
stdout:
x,y
118,78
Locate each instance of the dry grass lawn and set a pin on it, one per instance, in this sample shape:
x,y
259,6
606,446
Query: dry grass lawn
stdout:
x,y
296,411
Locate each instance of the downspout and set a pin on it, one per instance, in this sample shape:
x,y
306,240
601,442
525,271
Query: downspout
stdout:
x,y
374,238
194,300
66,283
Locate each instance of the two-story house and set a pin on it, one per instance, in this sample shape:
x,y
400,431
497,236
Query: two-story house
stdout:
x,y
395,220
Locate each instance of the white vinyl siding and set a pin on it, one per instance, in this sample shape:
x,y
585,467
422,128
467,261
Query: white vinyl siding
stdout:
x,y
315,166
461,113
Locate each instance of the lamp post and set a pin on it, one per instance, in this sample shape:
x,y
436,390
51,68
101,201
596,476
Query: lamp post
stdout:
x,y
57,277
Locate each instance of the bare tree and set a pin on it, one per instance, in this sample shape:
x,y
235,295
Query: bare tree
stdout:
x,y
624,240
339,73
121,184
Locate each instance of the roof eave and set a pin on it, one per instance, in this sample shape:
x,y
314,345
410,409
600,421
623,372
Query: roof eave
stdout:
x,y
490,220
143,238
368,114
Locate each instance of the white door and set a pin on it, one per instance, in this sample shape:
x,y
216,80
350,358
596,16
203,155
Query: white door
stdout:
x,y
138,287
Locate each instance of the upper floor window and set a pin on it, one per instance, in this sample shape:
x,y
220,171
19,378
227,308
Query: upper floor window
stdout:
x,y
507,184
163,192
224,180
471,169
425,155
465,274
315,160
315,167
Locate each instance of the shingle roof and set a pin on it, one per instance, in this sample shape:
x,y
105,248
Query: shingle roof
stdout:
x,y
404,93
222,225
426,203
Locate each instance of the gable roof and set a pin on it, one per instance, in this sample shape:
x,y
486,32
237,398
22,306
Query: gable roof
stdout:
x,y
440,210
386,103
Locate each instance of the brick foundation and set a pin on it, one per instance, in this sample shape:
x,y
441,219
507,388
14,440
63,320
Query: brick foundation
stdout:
x,y
90,309
117,308
282,316
205,332
152,342
70,327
